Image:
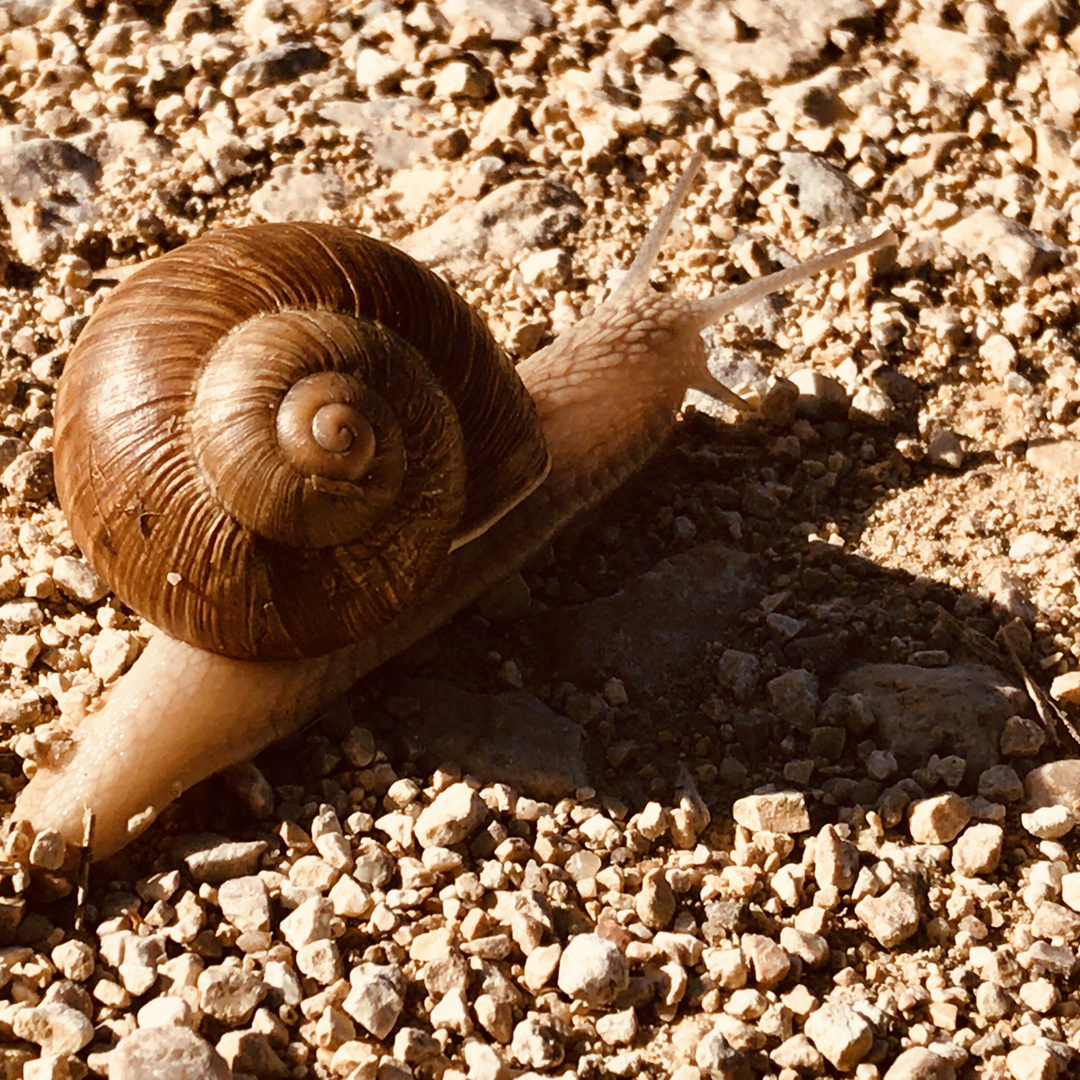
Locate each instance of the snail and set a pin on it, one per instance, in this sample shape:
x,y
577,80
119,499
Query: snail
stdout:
x,y
420,475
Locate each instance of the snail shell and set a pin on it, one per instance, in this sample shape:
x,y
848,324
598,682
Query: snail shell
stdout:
x,y
268,440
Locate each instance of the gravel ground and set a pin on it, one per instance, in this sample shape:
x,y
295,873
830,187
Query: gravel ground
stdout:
x,y
765,771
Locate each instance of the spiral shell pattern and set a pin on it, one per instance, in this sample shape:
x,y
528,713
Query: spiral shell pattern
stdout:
x,y
268,440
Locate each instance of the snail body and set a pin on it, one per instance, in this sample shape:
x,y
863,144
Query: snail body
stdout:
x,y
588,411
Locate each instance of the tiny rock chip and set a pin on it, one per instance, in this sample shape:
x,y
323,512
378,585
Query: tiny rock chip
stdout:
x,y
29,477
249,1053
836,861
1021,737
1055,921
820,396
778,811
812,949
944,449
321,961
1070,892
452,816
840,1033
452,1013
166,1053
113,651
794,696
1000,783
892,917
1014,247
75,959
593,969
311,921
541,965
1060,458
215,859
938,820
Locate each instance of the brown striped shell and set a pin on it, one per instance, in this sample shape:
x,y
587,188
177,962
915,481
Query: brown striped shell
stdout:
x,y
268,440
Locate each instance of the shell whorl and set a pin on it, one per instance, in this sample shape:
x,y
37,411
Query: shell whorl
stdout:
x,y
268,440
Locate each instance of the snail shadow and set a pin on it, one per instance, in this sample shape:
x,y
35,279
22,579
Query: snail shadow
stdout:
x,y
744,651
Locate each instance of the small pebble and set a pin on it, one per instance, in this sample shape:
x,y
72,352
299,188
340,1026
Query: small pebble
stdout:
x,y
977,851
938,820
919,1063
892,917
56,1028
781,811
841,1035
593,969
376,997
451,817
1049,822
175,1053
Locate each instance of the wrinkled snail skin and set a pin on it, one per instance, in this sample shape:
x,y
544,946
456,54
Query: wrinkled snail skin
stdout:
x,y
606,393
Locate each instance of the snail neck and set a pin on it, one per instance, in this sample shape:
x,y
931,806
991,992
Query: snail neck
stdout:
x,y
607,392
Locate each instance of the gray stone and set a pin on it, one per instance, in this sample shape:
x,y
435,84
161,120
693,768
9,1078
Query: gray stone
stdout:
x,y
514,218
771,41
955,710
294,194
508,20
657,625
825,194
513,738
278,64
47,191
